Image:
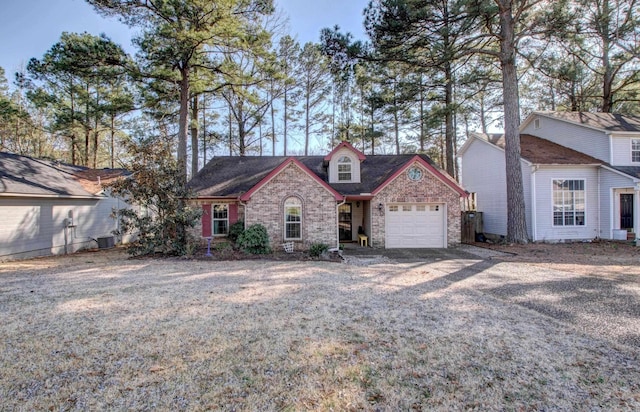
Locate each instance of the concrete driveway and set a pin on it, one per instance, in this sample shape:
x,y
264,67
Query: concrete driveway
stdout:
x,y
419,255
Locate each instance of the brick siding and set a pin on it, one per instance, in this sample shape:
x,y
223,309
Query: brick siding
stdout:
x,y
318,208
429,189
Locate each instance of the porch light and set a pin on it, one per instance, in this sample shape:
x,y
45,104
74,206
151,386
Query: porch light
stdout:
x,y
381,208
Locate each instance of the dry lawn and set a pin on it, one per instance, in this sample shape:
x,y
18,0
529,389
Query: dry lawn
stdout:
x,y
97,331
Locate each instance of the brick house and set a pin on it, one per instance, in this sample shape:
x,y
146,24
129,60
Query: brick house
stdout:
x,y
394,201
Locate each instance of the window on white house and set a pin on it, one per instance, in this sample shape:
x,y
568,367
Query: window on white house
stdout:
x,y
220,220
344,169
568,202
635,150
292,219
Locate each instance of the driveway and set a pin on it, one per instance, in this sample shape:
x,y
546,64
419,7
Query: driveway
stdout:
x,y
602,304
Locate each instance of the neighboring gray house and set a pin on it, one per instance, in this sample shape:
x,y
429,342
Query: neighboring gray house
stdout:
x,y
581,176
50,208
389,201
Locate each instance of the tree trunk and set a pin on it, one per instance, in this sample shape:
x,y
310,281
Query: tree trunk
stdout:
x,y
273,122
516,221
284,131
449,129
183,121
607,81
306,119
113,146
194,135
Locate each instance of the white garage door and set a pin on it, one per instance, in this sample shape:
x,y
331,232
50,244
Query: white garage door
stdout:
x,y
415,226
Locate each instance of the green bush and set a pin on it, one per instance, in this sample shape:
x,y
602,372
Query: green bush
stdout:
x,y
318,249
254,240
235,230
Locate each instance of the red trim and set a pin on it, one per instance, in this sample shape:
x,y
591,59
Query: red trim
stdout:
x,y
206,220
348,145
233,213
274,172
446,180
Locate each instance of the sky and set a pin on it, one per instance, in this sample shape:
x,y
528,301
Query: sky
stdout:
x,y
28,28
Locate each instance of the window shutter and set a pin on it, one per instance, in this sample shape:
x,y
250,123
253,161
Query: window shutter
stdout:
x,y
206,220
233,213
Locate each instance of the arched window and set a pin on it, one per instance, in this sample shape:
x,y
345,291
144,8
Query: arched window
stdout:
x,y
344,169
292,218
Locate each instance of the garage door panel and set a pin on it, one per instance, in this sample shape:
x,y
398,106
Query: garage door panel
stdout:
x,y
415,226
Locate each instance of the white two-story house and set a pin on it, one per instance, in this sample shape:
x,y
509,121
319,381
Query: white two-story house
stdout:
x,y
581,176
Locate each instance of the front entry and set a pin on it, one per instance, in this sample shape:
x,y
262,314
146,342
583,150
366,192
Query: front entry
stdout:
x,y
626,211
344,222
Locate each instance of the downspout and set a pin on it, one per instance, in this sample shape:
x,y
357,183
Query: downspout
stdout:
x,y
599,232
534,223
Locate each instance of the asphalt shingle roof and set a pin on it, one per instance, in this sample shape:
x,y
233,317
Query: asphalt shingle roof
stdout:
x,y
545,152
23,175
606,121
234,175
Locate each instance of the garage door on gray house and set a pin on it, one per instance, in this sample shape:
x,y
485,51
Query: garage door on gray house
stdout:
x,y
420,225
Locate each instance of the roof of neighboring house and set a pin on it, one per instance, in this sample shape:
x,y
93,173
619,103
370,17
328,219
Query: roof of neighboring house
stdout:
x,y
23,175
633,171
611,122
541,151
232,176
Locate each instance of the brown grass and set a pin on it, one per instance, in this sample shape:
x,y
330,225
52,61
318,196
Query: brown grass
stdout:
x,y
98,331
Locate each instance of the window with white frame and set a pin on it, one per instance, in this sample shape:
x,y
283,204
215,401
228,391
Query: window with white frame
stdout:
x,y
220,219
292,218
568,202
635,150
344,169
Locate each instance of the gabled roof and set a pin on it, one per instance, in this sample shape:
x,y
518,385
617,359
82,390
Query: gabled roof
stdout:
x,y
545,152
233,176
27,176
608,122
274,172
349,146
446,179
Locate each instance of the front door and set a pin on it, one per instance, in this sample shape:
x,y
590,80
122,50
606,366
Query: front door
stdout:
x,y
626,211
344,222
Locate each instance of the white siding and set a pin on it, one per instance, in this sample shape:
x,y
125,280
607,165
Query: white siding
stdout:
x,y
545,230
609,213
622,152
483,171
355,166
583,139
36,226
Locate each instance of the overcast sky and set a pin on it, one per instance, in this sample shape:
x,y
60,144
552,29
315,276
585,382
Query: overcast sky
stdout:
x,y
28,28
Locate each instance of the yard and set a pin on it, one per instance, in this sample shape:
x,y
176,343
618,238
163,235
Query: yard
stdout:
x,y
99,331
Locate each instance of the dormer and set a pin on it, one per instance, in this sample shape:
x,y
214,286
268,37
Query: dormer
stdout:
x,y
344,164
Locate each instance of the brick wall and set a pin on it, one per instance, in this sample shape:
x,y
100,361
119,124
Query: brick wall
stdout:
x,y
429,189
318,208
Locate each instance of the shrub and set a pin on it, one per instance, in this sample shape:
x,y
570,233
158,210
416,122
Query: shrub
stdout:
x,y
254,240
318,249
157,185
235,230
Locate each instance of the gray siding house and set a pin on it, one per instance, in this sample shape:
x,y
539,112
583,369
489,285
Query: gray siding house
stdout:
x,y
47,208
581,174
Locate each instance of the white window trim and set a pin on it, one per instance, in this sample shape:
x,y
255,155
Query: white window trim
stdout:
x,y
214,219
553,224
284,218
631,150
349,163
